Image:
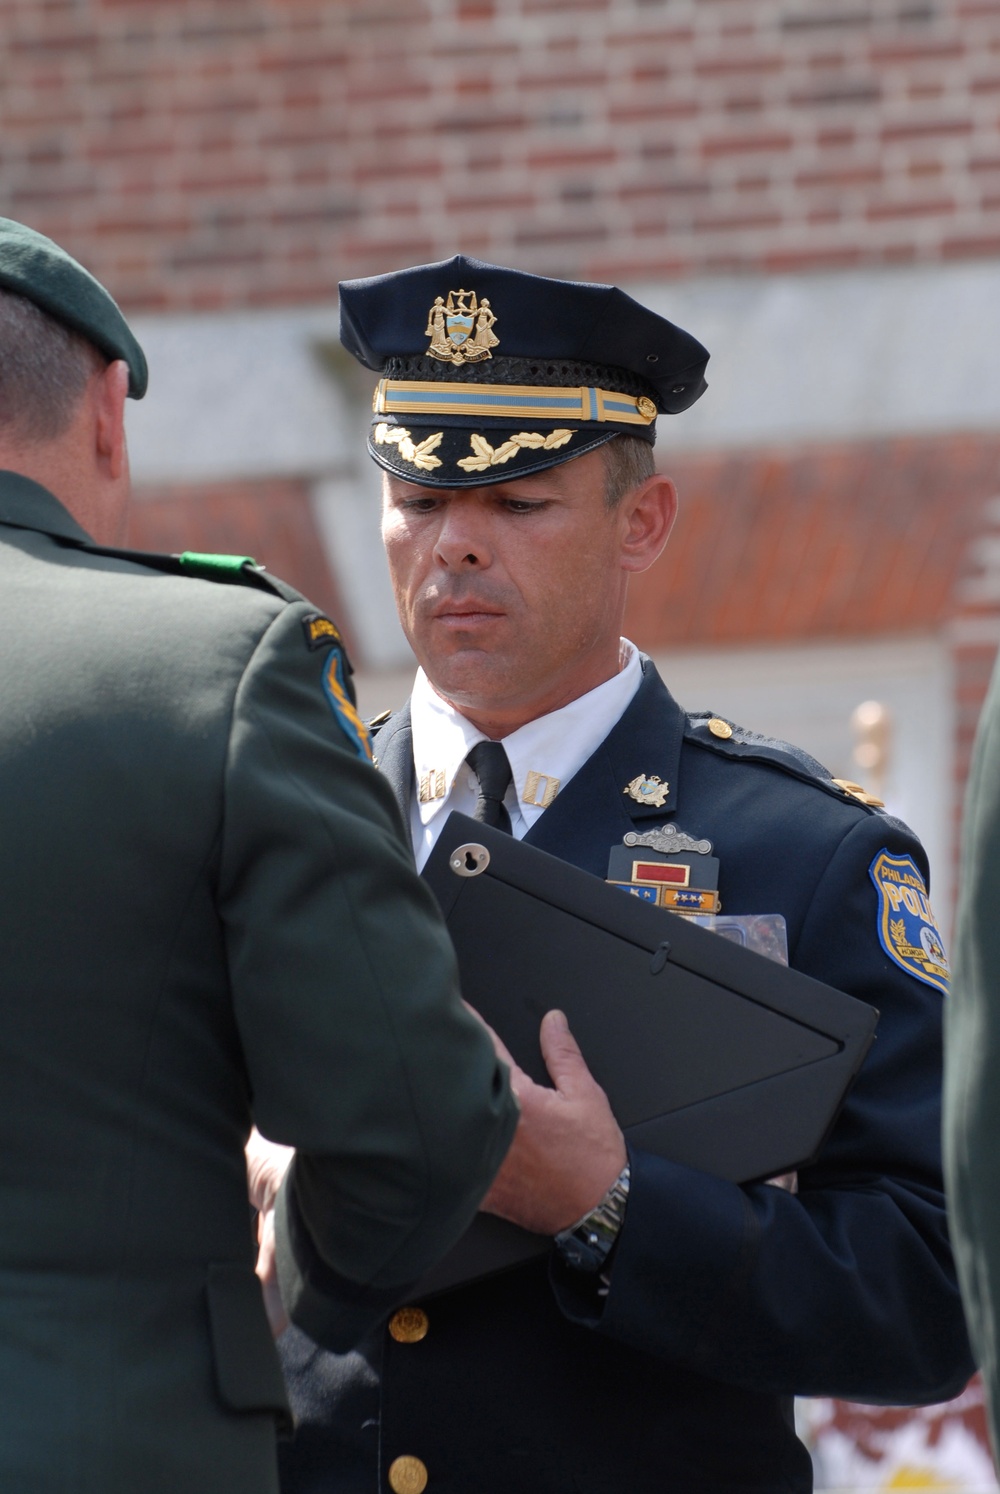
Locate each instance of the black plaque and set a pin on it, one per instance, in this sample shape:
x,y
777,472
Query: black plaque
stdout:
x,y
710,1054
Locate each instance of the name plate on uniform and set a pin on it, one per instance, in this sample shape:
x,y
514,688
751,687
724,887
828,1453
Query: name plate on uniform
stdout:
x,y
710,1054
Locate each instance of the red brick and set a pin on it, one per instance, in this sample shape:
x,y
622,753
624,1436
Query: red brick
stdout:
x,y
538,233
728,145
927,49
838,138
919,129
796,260
847,176
570,160
971,246
724,67
843,93
654,108
667,38
735,222
533,7
836,16
474,123
548,81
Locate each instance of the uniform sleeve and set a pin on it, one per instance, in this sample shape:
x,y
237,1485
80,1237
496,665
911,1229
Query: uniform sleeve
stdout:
x,y
847,1288
972,1058
358,1050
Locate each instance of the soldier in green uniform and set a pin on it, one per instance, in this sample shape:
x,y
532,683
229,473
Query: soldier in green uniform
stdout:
x,y
972,1053
208,916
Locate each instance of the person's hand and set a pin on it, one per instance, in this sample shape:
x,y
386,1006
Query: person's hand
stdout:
x,y
568,1148
267,1163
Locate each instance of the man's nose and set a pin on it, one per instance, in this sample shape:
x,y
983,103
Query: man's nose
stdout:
x,y
463,539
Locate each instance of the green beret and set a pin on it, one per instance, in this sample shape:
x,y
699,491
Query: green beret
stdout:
x,y
36,268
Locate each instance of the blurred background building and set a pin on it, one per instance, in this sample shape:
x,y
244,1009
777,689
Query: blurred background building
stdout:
x,y
812,187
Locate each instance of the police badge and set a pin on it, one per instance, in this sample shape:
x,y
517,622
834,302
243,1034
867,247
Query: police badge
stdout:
x,y
906,926
461,328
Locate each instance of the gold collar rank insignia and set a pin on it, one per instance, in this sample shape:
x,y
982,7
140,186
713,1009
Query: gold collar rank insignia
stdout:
x,y
540,789
461,328
431,786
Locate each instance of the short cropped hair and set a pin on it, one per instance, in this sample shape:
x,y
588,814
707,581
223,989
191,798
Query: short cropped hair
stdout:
x,y
628,461
44,369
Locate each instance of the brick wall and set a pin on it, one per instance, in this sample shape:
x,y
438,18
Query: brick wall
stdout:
x,y
203,153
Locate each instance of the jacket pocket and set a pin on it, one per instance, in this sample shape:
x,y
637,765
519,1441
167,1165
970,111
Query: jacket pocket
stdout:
x,y
247,1373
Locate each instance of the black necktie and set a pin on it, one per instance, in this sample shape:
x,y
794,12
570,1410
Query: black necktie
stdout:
x,y
488,761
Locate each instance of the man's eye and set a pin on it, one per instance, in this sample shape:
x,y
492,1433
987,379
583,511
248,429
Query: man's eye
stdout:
x,y
521,506
419,505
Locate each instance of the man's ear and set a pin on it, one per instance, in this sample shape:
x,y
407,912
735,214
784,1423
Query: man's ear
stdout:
x,y
110,392
648,514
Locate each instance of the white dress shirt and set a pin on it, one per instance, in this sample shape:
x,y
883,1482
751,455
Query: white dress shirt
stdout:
x,y
543,755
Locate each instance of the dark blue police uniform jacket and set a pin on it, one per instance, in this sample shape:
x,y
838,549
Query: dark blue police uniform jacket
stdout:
x,y
725,1301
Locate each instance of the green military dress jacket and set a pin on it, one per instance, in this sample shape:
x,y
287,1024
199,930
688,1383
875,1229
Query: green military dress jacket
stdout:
x,y
208,914
972,1060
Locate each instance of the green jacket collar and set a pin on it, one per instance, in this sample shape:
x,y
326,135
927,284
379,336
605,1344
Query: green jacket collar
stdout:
x,y
25,504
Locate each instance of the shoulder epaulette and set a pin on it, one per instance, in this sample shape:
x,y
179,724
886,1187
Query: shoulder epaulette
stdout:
x,y
725,737
239,570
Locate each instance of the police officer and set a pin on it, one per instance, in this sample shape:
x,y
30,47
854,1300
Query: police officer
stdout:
x,y
208,913
519,496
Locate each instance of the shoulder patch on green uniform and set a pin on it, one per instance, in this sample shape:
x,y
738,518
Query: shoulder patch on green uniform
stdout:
x,y
343,707
321,632
907,929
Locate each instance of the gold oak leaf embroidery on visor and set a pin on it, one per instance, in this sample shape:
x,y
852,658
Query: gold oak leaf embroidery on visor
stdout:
x,y
494,456
420,456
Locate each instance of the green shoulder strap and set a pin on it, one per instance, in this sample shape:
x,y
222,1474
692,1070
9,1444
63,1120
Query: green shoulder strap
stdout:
x,y
241,570
215,567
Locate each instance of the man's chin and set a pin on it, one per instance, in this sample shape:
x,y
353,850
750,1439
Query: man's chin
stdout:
x,y
470,680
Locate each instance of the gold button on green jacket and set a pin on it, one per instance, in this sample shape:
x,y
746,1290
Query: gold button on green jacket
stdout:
x,y
208,913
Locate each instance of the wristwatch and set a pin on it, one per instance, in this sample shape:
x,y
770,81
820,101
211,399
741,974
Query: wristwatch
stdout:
x,y
587,1244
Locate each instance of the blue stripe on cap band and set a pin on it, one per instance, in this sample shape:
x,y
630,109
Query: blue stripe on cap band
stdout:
x,y
513,401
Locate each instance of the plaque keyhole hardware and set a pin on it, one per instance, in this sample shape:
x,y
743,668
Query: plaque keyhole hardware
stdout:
x,y
469,860
661,955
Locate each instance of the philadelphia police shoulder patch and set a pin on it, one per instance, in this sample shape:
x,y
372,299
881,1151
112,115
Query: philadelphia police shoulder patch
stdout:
x,y
906,926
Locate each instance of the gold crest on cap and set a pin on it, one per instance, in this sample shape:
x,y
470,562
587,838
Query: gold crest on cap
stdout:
x,y
461,328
